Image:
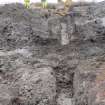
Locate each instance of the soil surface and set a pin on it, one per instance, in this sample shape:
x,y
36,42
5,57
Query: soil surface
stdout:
x,y
47,59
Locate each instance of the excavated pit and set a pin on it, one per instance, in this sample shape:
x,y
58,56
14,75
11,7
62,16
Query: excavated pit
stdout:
x,y
37,68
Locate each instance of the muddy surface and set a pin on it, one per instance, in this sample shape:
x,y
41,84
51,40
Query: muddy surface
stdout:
x,y
37,68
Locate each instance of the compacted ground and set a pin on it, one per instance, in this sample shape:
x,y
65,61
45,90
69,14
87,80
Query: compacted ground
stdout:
x,y
36,68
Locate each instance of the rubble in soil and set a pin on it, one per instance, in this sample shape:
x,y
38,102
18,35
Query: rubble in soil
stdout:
x,y
35,69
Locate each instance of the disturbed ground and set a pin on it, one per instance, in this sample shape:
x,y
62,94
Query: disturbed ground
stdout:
x,y
36,68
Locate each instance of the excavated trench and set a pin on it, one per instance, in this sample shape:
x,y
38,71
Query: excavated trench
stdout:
x,y
37,68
